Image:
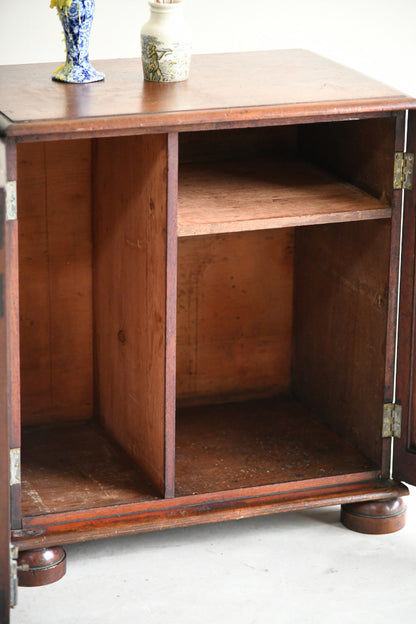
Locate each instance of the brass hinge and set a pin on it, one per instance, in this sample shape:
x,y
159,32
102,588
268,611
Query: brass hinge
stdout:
x,y
14,568
403,171
14,552
14,466
11,201
392,420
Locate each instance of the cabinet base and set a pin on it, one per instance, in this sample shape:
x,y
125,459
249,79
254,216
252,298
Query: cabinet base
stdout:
x,y
375,517
41,566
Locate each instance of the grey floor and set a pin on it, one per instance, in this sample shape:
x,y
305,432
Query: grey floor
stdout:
x,y
291,568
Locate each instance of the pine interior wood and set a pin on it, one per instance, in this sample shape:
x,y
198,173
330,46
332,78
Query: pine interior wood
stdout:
x,y
71,466
358,152
130,217
234,327
254,443
74,466
54,190
340,319
239,196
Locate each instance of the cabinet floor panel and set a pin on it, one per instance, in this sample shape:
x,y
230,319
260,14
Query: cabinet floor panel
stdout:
x,y
264,194
259,442
74,466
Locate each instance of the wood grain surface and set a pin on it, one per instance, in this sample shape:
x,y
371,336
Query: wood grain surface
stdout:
x,y
222,88
55,257
265,194
235,303
359,152
238,144
70,466
194,510
130,263
340,324
254,443
76,467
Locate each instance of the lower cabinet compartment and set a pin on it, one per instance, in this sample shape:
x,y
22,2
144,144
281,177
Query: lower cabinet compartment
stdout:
x,y
72,466
281,356
258,442
92,283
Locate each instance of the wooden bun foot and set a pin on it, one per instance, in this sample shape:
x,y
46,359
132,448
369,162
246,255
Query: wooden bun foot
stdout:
x,y
41,566
375,517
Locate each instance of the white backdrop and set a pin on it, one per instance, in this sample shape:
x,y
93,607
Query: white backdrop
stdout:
x,y
377,37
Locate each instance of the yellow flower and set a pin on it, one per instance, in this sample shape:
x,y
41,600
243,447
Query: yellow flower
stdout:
x,y
60,4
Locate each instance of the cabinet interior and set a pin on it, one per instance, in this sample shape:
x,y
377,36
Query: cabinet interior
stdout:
x,y
279,325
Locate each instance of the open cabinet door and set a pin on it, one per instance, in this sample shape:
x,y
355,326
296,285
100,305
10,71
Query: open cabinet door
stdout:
x,y
5,598
404,458
5,554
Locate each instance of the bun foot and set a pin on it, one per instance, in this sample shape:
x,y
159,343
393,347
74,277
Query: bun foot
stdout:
x,y
375,517
41,566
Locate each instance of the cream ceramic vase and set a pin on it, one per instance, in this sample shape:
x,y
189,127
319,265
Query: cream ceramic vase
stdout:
x,y
166,43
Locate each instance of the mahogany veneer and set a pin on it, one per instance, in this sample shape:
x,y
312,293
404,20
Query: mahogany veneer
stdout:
x,y
200,312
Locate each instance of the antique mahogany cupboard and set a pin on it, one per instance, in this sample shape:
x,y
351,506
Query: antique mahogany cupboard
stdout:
x,y
207,301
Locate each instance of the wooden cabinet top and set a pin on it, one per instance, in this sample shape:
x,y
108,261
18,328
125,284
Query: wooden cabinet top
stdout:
x,y
224,90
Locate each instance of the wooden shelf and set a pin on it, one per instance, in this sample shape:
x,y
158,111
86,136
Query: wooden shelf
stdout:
x,y
72,466
258,442
266,194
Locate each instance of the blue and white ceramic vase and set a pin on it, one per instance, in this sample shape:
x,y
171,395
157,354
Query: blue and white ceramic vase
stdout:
x,y
76,17
166,43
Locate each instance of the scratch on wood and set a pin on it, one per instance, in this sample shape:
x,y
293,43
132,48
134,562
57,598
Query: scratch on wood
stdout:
x,y
136,243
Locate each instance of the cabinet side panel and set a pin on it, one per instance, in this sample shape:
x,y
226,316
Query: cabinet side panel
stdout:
x,y
53,189
235,296
341,289
130,224
360,152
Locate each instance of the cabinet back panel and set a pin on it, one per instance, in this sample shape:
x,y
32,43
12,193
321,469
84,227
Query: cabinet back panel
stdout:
x,y
53,186
234,315
237,144
341,285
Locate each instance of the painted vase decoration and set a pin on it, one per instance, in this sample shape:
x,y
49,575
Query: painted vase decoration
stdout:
x,y
166,43
76,18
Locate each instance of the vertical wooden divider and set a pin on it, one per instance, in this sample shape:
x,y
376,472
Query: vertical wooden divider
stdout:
x,y
134,275
171,312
